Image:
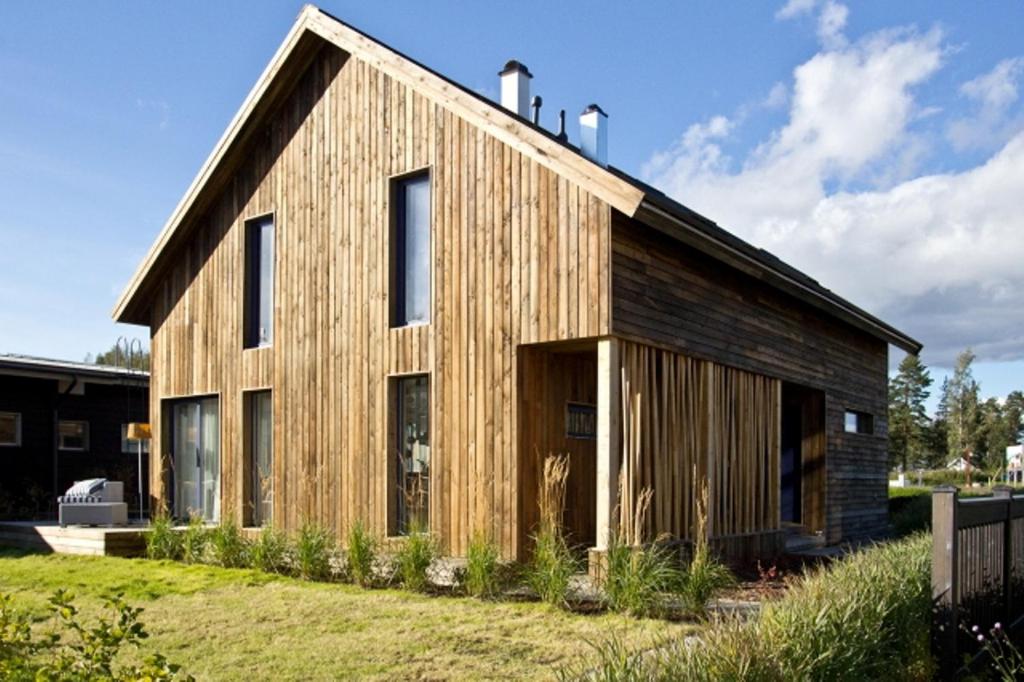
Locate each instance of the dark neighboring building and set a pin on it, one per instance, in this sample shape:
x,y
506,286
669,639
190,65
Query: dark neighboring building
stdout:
x,y
65,421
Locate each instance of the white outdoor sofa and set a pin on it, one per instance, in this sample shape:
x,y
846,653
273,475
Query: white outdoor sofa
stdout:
x,y
93,502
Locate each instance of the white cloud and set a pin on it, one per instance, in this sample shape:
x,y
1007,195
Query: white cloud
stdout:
x,y
837,191
992,122
795,8
831,22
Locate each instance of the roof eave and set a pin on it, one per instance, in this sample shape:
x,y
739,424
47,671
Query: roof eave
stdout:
x,y
662,214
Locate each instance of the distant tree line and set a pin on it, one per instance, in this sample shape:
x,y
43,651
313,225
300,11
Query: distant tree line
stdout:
x,y
116,357
964,425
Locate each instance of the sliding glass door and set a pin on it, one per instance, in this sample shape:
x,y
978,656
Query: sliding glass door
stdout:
x,y
196,458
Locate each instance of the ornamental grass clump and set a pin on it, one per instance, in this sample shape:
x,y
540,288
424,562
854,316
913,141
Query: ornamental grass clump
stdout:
x,y
550,570
162,541
269,551
866,617
361,554
314,546
638,578
228,547
414,557
195,540
483,575
705,576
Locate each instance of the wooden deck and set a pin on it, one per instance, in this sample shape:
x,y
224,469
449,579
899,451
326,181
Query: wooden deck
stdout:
x,y
125,541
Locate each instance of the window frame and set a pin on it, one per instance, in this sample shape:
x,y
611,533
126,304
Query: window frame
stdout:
x,y
17,430
252,300
397,527
864,422
251,516
398,316
85,435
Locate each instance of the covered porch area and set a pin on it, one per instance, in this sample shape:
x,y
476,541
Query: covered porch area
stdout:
x,y
633,417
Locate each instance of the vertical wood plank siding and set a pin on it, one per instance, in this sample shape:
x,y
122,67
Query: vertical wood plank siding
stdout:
x,y
519,256
549,380
687,423
671,296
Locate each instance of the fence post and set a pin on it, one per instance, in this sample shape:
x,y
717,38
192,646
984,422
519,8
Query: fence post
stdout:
x,y
945,581
1005,492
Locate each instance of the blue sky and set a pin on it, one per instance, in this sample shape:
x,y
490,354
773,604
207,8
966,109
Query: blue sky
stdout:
x,y
875,123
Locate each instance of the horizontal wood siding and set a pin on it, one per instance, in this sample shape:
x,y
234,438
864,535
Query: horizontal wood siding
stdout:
x,y
672,296
519,255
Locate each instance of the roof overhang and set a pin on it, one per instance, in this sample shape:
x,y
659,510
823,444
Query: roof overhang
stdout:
x,y
42,368
694,230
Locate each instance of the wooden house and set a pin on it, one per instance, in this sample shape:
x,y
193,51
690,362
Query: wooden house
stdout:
x,y
387,297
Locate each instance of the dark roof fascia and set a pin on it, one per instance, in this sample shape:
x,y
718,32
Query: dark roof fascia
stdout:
x,y
43,368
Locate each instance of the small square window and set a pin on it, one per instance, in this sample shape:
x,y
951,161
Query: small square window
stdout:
x,y
859,422
10,429
131,447
581,421
73,435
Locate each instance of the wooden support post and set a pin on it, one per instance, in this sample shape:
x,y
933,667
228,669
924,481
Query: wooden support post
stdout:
x,y
609,377
945,588
1005,492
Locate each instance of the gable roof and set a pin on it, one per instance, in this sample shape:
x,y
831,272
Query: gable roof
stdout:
x,y
626,194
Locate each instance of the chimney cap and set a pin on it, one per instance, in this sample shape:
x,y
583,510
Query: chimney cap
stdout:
x,y
591,108
514,66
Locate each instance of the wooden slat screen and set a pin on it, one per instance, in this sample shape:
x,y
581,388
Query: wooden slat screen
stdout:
x,y
687,421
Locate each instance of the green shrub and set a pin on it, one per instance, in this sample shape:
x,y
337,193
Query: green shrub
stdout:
x,y
361,554
314,546
162,541
414,558
269,552
910,510
482,578
229,547
867,617
637,579
75,651
195,540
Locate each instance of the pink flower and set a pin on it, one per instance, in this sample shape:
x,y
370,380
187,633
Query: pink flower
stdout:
x,y
981,638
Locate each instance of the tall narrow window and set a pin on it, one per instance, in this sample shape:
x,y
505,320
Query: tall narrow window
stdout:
x,y
410,251
260,458
259,282
409,464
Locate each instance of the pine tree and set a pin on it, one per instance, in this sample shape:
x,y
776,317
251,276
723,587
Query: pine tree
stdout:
x,y
1013,413
908,419
961,400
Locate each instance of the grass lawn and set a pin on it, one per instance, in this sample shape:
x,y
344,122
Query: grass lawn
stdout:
x,y
230,624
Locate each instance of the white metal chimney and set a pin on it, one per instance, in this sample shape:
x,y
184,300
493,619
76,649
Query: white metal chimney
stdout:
x,y
594,134
515,88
